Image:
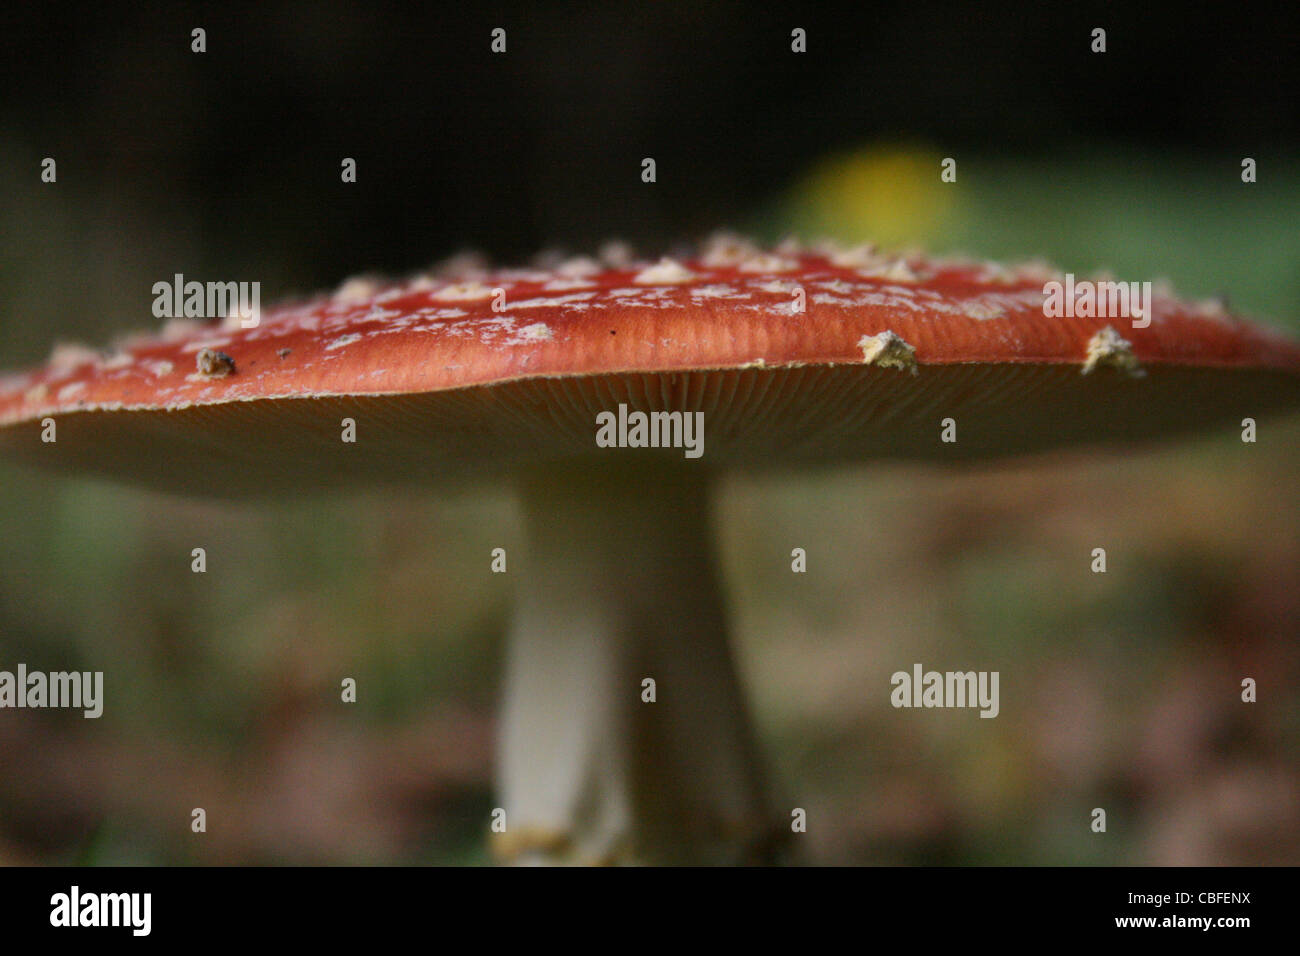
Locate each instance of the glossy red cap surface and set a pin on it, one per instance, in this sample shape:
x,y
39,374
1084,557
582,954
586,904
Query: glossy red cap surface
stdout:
x,y
822,353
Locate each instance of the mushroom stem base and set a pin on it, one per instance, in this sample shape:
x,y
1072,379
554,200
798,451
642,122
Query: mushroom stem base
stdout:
x,y
624,734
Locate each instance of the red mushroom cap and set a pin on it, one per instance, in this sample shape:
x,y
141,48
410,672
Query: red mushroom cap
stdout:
x,y
483,369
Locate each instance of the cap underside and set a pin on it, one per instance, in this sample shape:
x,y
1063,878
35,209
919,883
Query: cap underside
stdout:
x,y
755,418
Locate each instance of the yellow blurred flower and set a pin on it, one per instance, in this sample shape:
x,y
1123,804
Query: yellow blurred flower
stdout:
x,y
891,195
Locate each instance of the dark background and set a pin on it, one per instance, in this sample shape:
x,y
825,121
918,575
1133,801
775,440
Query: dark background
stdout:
x,y
239,148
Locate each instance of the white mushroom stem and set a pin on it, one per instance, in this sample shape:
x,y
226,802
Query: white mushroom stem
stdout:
x,y
618,588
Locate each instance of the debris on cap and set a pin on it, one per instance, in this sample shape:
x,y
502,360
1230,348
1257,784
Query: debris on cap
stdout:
x,y
1108,348
213,364
888,351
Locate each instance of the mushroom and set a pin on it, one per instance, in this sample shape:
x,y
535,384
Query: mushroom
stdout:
x,y
612,394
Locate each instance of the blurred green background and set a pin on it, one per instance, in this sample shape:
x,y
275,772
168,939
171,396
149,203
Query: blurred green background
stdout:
x,y
1119,690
